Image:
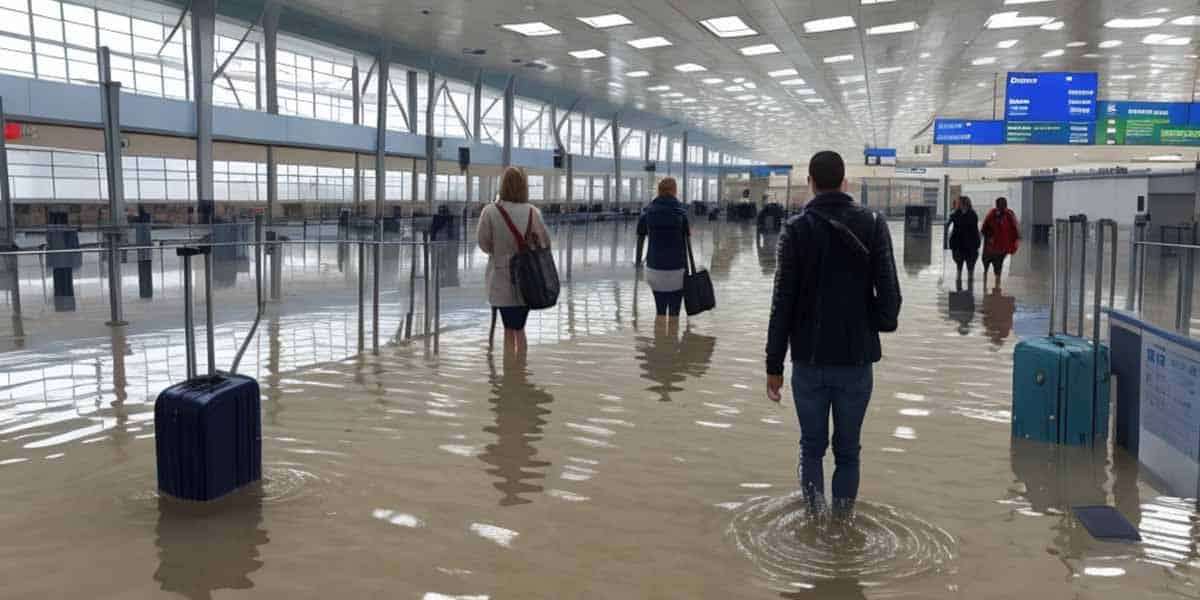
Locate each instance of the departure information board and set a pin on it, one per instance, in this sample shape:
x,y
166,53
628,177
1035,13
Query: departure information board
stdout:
x,y
1142,123
1050,108
967,132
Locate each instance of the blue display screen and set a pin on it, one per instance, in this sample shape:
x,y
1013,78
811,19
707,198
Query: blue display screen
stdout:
x,y
962,132
1050,97
880,152
1174,113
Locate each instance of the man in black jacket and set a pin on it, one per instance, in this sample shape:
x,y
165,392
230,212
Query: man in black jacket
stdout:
x,y
835,289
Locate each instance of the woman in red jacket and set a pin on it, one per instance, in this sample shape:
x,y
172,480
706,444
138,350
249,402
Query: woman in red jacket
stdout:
x,y
1001,236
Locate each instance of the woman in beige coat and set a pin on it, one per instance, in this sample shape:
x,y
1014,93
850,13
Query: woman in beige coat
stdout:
x,y
499,243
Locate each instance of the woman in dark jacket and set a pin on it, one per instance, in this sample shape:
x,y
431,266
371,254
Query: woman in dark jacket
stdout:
x,y
665,222
963,243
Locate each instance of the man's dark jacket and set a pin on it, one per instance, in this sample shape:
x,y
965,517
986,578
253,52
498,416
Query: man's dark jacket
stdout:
x,y
831,301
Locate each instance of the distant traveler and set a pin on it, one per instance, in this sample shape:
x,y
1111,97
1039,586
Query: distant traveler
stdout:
x,y
665,222
497,241
836,289
1001,237
963,243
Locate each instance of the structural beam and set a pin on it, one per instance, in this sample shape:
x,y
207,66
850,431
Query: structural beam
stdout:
x,y
430,142
110,115
412,127
616,143
204,14
510,92
683,174
8,226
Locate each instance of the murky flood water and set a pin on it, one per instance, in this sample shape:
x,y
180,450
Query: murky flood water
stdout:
x,y
622,460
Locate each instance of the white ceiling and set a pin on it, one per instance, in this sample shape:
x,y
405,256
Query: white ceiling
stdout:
x,y
932,70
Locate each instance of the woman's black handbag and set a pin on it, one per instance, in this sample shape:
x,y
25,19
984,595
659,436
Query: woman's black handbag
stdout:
x,y
698,295
532,267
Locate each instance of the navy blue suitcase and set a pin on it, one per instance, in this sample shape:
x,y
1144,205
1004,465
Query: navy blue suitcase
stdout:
x,y
208,436
208,429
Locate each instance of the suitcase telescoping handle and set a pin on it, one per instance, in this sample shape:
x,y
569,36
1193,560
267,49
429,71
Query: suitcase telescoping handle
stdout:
x,y
189,336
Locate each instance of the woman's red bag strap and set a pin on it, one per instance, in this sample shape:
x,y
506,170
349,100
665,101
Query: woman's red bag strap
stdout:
x,y
522,245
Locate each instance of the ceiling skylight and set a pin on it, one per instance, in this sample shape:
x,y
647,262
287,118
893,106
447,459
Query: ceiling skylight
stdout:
x,y
585,54
606,21
728,27
1134,23
893,28
1009,20
650,42
832,24
760,50
689,68
533,29
783,73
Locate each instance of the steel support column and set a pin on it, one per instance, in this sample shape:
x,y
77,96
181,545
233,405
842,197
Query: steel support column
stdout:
x,y
616,139
8,225
381,76
685,197
204,14
430,143
509,105
411,100
704,179
110,116
477,107
356,100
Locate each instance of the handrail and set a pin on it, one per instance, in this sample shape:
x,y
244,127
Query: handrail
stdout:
x,y
197,243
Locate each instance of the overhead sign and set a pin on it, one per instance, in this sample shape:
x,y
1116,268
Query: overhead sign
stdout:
x,y
880,156
960,131
1169,442
1141,123
1050,108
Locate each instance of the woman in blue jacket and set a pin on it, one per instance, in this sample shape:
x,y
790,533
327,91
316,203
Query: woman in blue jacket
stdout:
x,y
665,222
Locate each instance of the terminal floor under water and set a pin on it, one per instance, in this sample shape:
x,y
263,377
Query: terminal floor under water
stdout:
x,y
621,460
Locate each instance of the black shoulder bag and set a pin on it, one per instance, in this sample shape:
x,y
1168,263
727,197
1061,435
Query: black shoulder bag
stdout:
x,y
698,294
532,267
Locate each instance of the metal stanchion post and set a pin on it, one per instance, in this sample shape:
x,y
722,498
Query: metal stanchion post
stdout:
x,y
375,295
362,276
427,299
437,300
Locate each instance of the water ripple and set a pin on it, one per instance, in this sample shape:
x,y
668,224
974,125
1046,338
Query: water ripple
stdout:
x,y
882,545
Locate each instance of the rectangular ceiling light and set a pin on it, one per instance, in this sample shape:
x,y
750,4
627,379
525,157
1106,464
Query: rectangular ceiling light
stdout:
x,y
867,2
1054,53
804,92
851,79
831,24
746,97
886,70
712,80
1162,39
796,81
584,54
658,88
1134,23
904,27
841,58
606,21
1008,2
760,50
1006,44
533,29
650,42
987,60
735,88
1010,20
783,73
728,27
1188,21
689,68
673,95
1106,44
638,74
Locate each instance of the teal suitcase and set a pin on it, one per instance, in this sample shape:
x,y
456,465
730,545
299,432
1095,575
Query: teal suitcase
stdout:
x,y
1060,391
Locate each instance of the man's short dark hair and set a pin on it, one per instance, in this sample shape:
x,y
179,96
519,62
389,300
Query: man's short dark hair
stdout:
x,y
827,170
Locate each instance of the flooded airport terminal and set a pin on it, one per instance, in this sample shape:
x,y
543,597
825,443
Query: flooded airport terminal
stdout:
x,y
524,300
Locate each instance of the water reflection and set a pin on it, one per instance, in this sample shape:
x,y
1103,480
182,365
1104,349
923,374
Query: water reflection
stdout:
x,y
766,244
961,308
205,547
519,408
837,589
918,254
667,359
998,311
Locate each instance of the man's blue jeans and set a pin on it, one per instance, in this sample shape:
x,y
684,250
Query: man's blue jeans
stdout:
x,y
818,391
